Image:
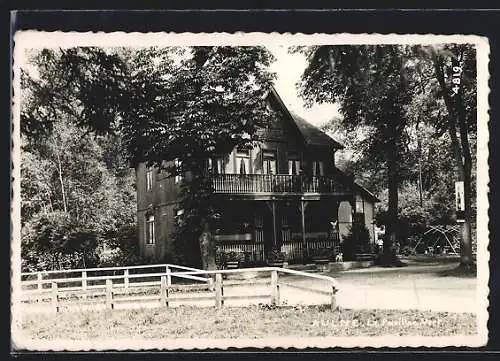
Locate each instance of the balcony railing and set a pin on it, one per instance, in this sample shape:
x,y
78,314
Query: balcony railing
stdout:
x,y
275,183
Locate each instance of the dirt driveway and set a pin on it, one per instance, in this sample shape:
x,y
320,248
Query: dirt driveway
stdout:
x,y
420,285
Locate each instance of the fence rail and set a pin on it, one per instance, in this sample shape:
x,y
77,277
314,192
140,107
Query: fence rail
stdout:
x,y
160,288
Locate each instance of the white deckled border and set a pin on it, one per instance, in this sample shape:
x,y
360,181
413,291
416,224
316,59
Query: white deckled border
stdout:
x,y
37,39
273,342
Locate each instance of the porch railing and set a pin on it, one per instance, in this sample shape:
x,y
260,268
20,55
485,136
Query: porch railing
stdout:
x,y
275,183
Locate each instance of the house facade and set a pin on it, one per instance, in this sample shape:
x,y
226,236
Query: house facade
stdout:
x,y
285,194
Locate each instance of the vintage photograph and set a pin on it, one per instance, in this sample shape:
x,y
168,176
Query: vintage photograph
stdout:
x,y
192,191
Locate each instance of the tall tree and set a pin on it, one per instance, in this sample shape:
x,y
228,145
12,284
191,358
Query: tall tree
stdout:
x,y
371,84
454,68
72,204
171,104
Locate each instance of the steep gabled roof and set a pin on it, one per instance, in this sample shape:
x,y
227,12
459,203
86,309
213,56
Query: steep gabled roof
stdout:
x,y
314,135
311,134
366,193
357,187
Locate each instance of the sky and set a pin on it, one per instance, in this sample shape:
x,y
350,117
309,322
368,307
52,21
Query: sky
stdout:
x,y
289,68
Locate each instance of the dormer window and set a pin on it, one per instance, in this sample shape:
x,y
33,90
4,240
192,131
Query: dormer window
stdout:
x,y
318,168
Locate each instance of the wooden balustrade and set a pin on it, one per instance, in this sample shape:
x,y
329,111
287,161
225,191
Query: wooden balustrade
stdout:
x,y
274,183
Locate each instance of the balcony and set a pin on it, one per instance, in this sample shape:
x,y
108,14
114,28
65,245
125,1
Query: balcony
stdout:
x,y
275,183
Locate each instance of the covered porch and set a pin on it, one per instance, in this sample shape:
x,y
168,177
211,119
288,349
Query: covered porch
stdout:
x,y
253,231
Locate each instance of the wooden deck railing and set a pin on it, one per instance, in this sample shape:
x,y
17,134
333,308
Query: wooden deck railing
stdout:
x,y
275,183
114,289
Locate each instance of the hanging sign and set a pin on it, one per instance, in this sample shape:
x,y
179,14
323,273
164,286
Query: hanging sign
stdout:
x,y
459,200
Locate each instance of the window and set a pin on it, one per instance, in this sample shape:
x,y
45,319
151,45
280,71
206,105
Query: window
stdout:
x,y
150,230
360,205
269,162
217,165
293,164
178,166
359,211
243,161
149,178
318,168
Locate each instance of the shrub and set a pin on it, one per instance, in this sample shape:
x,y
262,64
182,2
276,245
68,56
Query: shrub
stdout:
x,y
358,239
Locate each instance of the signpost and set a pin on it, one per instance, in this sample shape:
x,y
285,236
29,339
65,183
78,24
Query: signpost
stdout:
x,y
459,201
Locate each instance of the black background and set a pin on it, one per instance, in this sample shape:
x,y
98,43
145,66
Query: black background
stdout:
x,y
236,16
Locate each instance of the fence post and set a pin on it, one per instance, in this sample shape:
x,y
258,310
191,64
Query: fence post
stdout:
x,y
55,300
84,284
275,294
218,291
109,294
333,300
169,276
164,291
126,280
39,286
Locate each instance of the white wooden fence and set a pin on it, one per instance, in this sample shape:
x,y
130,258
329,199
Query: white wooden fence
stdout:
x,y
158,286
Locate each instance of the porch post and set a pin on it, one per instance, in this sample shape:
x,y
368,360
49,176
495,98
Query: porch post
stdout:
x,y
274,223
304,244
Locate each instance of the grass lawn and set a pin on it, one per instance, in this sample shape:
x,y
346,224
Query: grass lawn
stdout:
x,y
248,322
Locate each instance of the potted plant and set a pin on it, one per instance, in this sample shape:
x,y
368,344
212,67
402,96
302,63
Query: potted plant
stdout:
x,y
233,260
275,258
220,259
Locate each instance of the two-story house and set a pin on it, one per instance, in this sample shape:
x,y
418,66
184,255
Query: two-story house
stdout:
x,y
286,194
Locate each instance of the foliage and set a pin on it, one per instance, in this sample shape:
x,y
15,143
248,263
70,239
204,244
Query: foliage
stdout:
x,y
185,104
431,129
275,255
220,259
73,202
357,240
455,70
373,86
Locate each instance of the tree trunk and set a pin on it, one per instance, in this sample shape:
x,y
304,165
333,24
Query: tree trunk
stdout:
x,y
388,256
466,258
207,247
462,156
419,154
59,171
83,259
